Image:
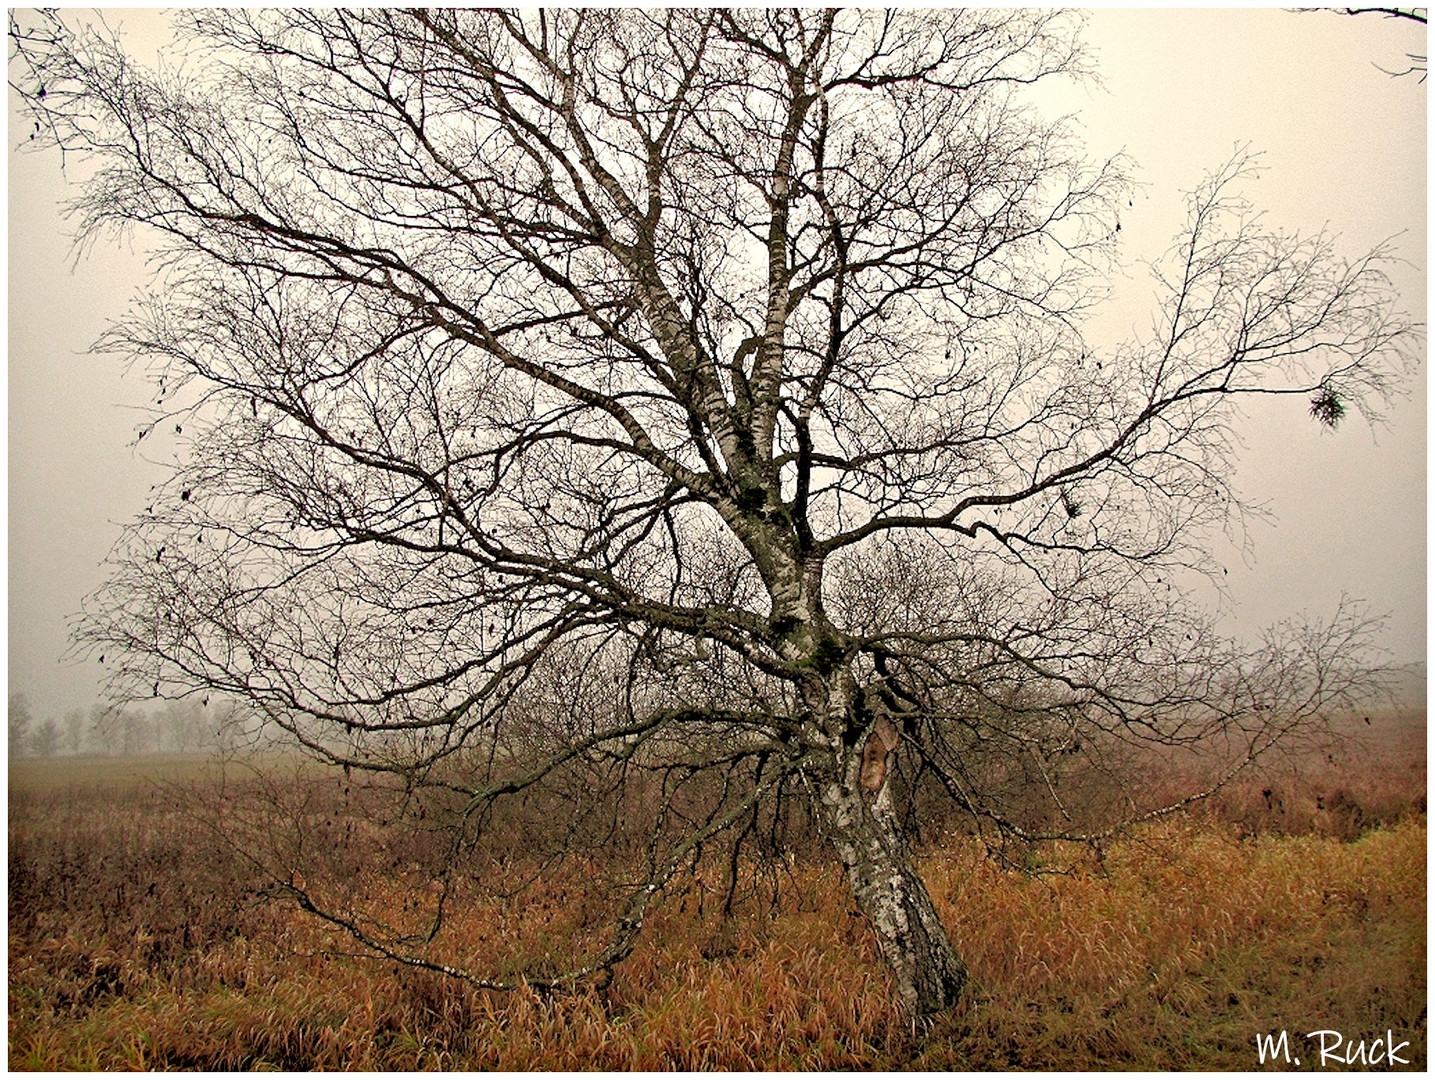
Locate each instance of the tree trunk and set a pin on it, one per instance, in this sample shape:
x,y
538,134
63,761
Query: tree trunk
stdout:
x,y
860,820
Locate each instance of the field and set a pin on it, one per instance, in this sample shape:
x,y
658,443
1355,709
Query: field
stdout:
x,y
1294,902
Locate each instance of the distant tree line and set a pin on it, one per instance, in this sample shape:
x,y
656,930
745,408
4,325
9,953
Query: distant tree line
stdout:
x,y
176,727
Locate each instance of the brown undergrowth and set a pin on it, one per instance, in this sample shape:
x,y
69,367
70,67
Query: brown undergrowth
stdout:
x,y
133,946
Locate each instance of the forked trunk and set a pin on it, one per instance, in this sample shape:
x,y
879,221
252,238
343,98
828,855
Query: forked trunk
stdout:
x,y
860,820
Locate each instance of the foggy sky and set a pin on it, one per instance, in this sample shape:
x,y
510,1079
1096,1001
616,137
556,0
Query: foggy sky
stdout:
x,y
1343,144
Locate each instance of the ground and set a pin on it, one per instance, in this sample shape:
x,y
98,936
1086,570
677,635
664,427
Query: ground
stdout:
x,y
1294,903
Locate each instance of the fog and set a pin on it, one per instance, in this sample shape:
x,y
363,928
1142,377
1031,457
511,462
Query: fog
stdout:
x,y
1343,143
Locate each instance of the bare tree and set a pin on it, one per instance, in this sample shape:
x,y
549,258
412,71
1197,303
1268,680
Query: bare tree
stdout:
x,y
104,729
689,406
21,719
46,740
74,730
123,731
181,726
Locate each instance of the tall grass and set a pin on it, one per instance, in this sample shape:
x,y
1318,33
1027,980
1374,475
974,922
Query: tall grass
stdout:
x,y
130,948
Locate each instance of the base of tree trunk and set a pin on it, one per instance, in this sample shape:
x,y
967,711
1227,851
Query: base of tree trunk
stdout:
x,y
914,944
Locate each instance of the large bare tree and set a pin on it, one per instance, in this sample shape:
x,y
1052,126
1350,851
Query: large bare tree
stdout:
x,y
606,398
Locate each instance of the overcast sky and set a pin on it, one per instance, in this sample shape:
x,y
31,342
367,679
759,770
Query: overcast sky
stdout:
x,y
1343,144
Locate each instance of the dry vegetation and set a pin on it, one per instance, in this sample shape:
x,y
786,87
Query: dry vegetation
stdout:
x,y
1295,901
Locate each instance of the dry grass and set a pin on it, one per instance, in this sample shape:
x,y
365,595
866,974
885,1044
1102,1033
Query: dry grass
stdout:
x,y
1191,943
131,949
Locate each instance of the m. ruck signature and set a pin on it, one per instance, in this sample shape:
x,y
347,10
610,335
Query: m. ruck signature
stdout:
x,y
1336,1052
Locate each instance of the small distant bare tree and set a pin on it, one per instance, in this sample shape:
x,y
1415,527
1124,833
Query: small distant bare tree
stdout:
x,y
74,730
690,404
104,728
123,731
45,742
18,726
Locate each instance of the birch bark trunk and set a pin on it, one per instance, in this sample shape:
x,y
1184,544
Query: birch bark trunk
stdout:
x,y
861,822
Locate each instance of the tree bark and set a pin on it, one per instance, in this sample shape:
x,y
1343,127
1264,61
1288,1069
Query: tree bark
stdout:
x,y
862,825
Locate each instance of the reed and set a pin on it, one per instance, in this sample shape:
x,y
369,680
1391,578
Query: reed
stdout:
x,y
130,949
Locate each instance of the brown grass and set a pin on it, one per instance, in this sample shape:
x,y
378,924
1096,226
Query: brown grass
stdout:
x,y
133,948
